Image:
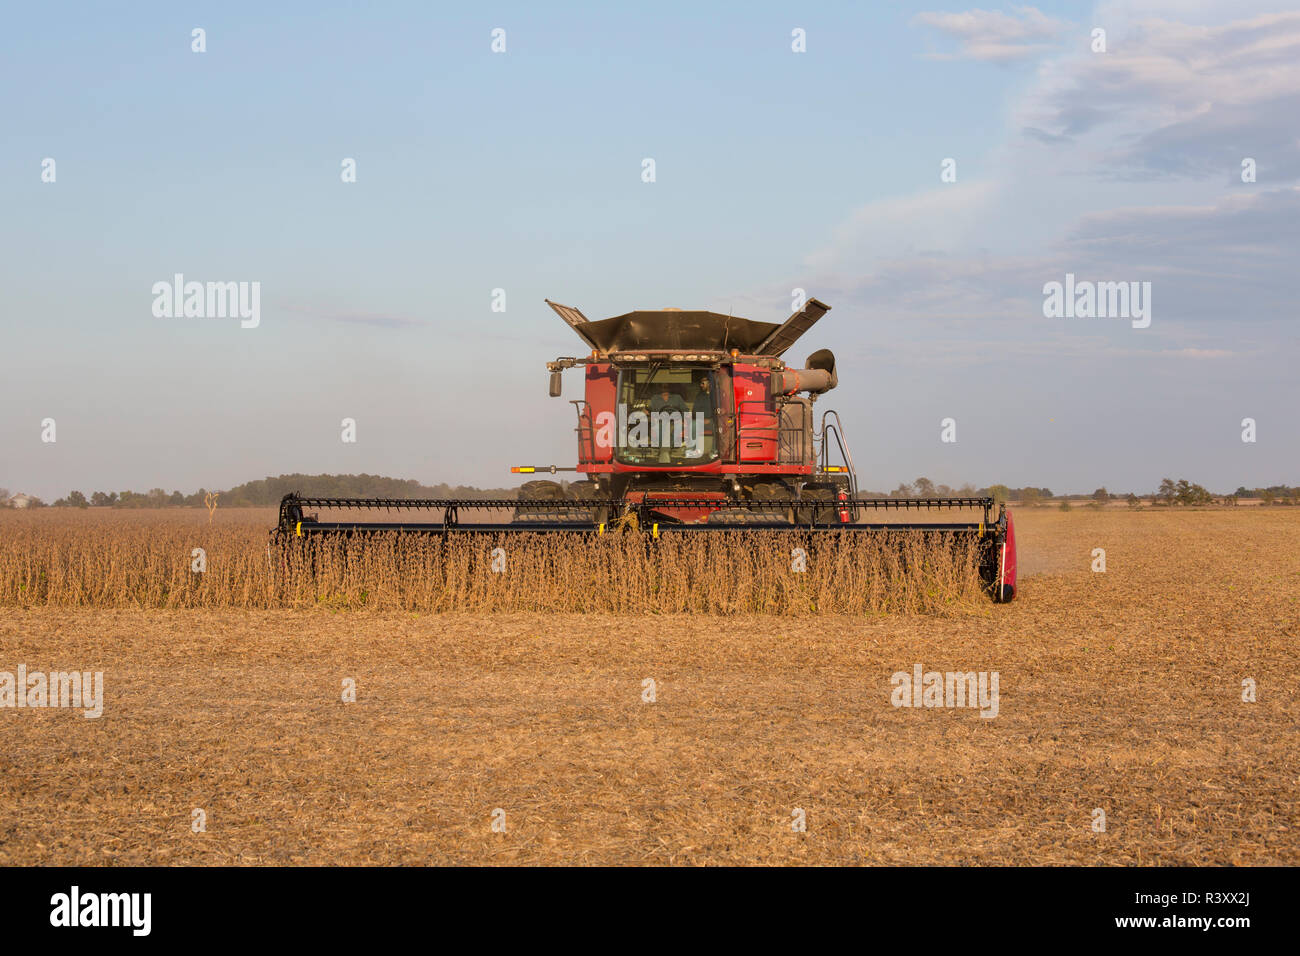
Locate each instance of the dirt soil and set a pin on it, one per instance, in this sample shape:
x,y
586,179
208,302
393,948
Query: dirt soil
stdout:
x,y
1118,691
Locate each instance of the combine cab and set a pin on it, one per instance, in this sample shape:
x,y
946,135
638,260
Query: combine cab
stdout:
x,y
691,422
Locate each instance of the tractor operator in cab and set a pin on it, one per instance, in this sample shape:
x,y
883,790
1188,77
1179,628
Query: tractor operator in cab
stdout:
x,y
669,433
702,414
667,401
703,398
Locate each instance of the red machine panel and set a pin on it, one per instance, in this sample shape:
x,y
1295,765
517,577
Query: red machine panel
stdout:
x,y
756,417
1007,563
597,430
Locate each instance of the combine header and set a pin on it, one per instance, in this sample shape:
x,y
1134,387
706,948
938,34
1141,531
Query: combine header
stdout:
x,y
691,422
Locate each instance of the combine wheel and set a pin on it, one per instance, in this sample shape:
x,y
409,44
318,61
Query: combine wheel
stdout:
x,y
546,491
825,513
588,491
773,492
541,491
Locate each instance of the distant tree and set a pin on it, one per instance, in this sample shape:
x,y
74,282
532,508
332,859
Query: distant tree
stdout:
x,y
1166,493
1065,504
77,500
1189,493
4,495
176,500
1030,497
1000,493
902,491
269,491
1133,500
102,500
1101,495
924,488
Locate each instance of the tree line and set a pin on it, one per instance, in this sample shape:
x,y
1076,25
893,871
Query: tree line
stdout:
x,y
1171,492
267,492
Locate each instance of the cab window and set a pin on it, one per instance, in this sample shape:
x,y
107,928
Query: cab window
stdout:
x,y
666,416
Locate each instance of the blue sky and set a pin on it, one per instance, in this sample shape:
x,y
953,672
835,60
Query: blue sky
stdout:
x,y
775,170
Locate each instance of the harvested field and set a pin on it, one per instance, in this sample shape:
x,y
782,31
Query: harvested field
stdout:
x,y
1120,691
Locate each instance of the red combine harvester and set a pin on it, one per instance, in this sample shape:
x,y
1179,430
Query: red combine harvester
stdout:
x,y
692,422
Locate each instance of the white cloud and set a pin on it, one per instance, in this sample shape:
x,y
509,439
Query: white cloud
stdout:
x,y
386,320
1135,178
1178,100
994,36
1220,274
938,220
1198,353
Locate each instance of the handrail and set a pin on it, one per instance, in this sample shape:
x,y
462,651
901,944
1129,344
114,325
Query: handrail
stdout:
x,y
772,432
837,429
582,407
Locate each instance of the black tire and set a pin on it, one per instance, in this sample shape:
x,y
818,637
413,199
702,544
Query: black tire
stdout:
x,y
543,490
583,490
823,512
588,491
773,491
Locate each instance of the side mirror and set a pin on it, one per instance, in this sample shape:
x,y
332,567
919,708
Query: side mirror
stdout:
x,y
555,384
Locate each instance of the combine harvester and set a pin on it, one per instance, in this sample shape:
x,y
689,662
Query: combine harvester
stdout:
x,y
691,423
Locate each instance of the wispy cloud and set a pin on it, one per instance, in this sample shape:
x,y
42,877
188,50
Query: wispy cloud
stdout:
x,y
1223,262
994,36
1171,106
1177,100
381,320
1199,353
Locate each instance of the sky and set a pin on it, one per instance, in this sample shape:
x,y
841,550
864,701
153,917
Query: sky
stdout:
x,y
522,170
